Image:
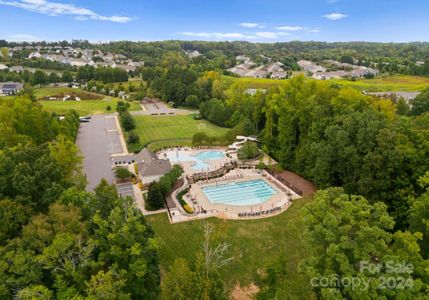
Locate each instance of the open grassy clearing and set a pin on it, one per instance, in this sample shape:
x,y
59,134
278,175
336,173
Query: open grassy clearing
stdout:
x,y
380,84
254,83
391,83
253,244
84,107
170,128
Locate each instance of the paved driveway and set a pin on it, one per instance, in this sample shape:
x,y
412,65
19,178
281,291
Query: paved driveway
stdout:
x,y
97,140
125,189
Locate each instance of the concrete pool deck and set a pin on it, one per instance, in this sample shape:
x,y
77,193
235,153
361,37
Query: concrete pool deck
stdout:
x,y
203,208
237,175
188,165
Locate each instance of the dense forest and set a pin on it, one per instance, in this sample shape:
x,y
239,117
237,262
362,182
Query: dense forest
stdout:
x,y
57,240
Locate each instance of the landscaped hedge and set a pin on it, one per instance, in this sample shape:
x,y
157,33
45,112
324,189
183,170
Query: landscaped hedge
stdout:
x,y
182,202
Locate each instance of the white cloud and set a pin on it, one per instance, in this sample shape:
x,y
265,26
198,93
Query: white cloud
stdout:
x,y
314,30
22,37
57,9
267,34
335,16
290,28
252,25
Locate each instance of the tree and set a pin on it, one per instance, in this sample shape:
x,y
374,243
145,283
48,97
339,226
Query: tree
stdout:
x,y
420,104
133,138
348,59
177,283
39,78
67,76
126,241
192,101
249,150
155,197
402,107
12,217
127,121
4,53
419,216
106,285
54,78
345,233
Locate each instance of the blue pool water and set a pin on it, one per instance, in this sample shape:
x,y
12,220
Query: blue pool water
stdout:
x,y
240,193
199,164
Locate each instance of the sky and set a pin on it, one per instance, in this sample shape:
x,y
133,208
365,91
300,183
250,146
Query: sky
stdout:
x,y
215,20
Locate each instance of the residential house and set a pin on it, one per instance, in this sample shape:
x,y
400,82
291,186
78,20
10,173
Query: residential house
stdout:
x,y
278,75
193,54
310,66
17,69
150,167
10,88
34,55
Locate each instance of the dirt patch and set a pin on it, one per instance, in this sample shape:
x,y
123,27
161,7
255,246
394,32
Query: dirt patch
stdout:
x,y
306,187
245,292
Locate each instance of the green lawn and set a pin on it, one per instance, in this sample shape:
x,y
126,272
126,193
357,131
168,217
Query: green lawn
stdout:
x,y
390,83
253,244
84,107
379,84
173,129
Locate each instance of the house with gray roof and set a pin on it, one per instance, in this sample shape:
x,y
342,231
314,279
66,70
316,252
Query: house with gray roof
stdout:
x,y
10,88
151,168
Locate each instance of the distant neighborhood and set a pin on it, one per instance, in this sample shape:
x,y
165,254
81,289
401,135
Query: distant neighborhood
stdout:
x,y
247,68
328,69
75,57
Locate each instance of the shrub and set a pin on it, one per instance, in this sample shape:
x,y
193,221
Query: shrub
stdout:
x,y
133,138
108,108
249,150
141,186
136,169
188,209
127,121
122,173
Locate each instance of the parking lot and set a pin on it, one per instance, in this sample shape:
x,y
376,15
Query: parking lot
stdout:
x,y
97,140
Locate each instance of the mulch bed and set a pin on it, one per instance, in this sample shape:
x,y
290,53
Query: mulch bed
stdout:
x,y
307,187
170,201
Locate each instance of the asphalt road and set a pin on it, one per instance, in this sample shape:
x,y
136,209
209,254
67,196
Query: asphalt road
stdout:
x,y
97,140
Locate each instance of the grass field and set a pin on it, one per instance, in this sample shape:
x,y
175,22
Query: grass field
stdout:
x,y
392,83
253,244
379,84
84,107
173,129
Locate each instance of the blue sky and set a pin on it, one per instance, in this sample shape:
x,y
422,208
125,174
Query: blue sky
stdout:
x,y
251,20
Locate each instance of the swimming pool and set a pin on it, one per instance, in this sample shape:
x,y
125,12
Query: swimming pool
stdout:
x,y
240,193
199,164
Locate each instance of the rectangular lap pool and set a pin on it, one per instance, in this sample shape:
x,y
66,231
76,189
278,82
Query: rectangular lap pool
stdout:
x,y
240,193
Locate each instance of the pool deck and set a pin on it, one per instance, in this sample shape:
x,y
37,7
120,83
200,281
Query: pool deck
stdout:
x,y
188,165
204,208
197,192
